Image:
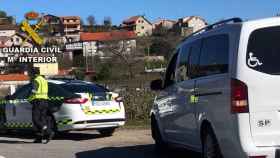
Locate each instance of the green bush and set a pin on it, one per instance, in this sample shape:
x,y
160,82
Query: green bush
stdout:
x,y
104,73
155,64
79,74
138,104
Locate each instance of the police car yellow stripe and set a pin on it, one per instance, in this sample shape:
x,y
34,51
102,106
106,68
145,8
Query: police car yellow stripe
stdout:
x,y
64,122
16,101
17,125
30,125
101,111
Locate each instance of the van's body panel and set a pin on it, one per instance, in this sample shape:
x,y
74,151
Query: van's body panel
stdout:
x,y
263,90
254,133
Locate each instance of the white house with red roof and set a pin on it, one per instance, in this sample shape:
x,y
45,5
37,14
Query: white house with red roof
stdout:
x,y
191,24
139,25
93,44
8,30
72,27
165,23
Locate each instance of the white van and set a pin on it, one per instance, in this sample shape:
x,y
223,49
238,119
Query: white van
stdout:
x,y
221,92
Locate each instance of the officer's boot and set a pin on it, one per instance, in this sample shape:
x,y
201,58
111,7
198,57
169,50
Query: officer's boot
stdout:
x,y
50,136
44,134
38,138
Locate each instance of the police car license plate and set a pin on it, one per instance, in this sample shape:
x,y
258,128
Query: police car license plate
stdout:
x,y
100,103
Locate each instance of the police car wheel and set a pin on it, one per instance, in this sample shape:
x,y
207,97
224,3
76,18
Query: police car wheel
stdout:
x,y
210,146
5,131
107,132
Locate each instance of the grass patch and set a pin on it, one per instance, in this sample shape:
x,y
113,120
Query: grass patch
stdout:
x,y
145,124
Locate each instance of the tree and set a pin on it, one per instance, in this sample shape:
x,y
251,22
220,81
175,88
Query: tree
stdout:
x,y
107,21
8,19
82,22
91,20
3,14
104,73
161,46
118,48
160,31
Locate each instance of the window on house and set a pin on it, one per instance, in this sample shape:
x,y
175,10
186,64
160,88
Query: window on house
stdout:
x,y
143,27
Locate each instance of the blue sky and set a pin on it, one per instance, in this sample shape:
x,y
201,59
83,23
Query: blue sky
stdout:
x,y
211,10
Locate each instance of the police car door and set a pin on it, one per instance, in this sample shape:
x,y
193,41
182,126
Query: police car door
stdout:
x,y
18,109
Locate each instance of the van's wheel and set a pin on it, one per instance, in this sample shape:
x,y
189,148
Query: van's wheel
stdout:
x,y
159,142
107,132
210,146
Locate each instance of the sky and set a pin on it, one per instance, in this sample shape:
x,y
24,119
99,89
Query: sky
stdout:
x,y
118,10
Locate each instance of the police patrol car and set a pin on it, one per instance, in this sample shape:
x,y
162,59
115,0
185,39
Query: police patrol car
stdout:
x,y
75,105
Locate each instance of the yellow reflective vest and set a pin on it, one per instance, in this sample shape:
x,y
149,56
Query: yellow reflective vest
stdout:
x,y
41,90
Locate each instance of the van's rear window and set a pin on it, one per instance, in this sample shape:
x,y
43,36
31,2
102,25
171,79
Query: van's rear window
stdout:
x,y
263,53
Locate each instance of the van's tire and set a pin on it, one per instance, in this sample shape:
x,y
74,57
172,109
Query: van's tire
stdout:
x,y
107,132
210,146
160,144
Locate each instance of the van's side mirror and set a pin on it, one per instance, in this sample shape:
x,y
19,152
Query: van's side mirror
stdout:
x,y
156,85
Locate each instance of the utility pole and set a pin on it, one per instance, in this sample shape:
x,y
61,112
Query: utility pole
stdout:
x,y
86,55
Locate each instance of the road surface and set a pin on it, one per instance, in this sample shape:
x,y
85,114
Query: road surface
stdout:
x,y
87,144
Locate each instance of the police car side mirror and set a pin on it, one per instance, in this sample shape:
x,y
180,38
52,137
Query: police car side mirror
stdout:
x,y
156,85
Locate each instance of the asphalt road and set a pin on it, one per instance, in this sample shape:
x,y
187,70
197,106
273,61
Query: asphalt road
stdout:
x,y
87,144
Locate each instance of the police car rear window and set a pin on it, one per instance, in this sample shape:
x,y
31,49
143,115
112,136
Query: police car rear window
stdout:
x,y
85,88
263,51
58,91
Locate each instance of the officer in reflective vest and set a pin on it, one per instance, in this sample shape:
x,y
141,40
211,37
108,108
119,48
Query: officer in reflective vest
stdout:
x,y
39,100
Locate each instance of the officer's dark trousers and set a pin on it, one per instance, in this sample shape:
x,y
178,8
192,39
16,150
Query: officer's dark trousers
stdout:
x,y
40,116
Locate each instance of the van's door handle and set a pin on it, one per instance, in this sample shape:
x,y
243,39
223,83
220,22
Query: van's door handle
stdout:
x,y
181,90
207,94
